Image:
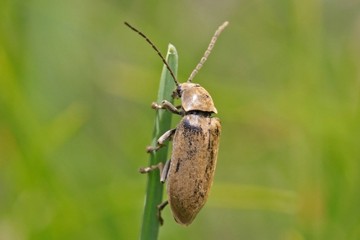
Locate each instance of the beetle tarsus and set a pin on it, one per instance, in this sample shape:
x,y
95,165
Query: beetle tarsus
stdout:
x,y
150,149
159,166
154,105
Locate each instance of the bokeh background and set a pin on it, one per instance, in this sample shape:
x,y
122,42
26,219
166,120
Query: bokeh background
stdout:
x,y
75,91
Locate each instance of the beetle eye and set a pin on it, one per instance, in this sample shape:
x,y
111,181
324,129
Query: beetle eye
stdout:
x,y
177,92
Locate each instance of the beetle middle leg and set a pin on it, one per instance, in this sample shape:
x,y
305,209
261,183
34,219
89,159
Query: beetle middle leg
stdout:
x,y
159,166
160,142
164,169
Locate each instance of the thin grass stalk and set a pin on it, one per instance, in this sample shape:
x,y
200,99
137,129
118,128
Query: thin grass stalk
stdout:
x,y
154,192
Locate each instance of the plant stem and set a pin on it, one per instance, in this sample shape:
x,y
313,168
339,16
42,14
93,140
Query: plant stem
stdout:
x,y
154,192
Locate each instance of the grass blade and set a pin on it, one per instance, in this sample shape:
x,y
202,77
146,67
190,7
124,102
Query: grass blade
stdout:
x,y
154,192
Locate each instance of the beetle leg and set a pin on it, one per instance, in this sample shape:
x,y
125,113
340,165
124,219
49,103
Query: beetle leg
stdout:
x,y
166,105
159,166
160,207
160,142
164,171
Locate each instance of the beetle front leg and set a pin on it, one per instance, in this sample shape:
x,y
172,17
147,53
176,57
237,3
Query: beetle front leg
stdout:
x,y
160,142
166,105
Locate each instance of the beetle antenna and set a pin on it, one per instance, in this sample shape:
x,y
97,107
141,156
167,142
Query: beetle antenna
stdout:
x,y
156,50
208,50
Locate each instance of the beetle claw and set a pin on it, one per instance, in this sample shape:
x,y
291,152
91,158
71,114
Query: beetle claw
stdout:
x,y
144,170
154,105
150,149
161,220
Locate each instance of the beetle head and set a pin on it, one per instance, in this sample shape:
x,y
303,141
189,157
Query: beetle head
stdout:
x,y
194,98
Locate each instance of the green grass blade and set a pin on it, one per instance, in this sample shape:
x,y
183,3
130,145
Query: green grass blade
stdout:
x,y
150,223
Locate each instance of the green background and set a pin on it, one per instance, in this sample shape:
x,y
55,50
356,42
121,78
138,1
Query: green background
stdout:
x,y
75,93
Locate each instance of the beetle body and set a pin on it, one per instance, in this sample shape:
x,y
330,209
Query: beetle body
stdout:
x,y
192,166
190,171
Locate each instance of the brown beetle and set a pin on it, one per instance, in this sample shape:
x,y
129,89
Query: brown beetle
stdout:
x,y
190,171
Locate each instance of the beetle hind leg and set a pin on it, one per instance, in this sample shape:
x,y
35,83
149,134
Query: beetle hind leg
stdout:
x,y
160,207
164,170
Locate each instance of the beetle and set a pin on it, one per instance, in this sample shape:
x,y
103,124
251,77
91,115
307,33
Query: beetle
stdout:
x,y
190,171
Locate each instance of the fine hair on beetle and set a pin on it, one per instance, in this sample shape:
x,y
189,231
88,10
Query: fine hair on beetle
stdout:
x,y
190,171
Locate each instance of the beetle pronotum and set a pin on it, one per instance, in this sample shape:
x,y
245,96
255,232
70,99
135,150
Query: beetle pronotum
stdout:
x,y
189,172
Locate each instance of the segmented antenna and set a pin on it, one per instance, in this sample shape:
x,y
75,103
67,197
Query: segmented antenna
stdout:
x,y
208,50
155,48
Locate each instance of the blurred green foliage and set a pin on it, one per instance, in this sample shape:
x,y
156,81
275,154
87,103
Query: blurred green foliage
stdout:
x,y
75,91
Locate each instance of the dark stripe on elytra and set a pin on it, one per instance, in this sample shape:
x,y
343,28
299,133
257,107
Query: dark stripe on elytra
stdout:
x,y
177,166
210,146
191,128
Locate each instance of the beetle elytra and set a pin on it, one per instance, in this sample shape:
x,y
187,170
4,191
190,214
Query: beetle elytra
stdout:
x,y
190,171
